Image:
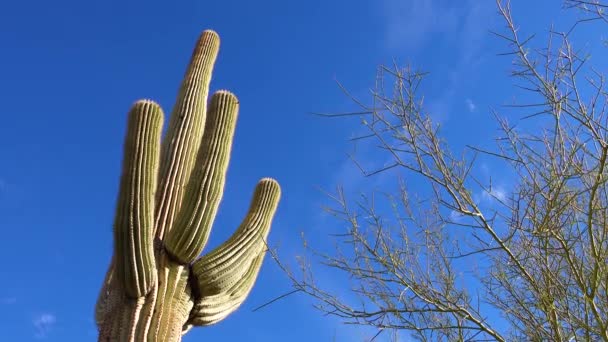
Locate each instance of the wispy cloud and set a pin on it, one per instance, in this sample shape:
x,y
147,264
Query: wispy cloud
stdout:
x,y
410,24
455,216
488,198
8,300
471,105
500,185
458,29
43,324
496,193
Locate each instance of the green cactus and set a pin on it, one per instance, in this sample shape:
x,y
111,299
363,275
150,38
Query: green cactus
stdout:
x,y
155,288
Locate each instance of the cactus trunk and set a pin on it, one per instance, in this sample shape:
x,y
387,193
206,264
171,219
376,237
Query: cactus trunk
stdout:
x,y
155,288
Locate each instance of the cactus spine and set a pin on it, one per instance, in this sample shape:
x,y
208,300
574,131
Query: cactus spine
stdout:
x,y
170,189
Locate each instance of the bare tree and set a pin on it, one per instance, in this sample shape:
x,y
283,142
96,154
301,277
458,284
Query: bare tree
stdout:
x,y
443,267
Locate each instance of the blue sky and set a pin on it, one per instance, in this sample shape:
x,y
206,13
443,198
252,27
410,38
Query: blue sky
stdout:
x,y
69,71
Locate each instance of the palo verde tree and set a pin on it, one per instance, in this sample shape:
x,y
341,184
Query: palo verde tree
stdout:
x,y
442,267
157,288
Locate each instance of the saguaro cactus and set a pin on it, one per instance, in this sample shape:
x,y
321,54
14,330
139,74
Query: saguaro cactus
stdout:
x,y
156,289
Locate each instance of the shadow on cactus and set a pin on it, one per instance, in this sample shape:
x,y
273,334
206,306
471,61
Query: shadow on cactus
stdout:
x,y
156,289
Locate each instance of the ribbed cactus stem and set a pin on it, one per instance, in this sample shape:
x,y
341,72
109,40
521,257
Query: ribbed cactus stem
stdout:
x,y
232,268
204,192
185,131
154,289
134,222
211,309
246,242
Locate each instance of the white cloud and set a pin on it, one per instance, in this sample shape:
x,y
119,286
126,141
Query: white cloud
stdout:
x,y
43,324
471,105
496,193
498,186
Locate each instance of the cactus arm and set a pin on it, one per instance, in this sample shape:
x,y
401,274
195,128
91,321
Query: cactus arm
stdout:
x,y
185,130
226,275
185,241
133,225
211,309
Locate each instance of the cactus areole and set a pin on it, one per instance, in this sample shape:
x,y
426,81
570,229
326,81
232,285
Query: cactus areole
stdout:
x,y
157,287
